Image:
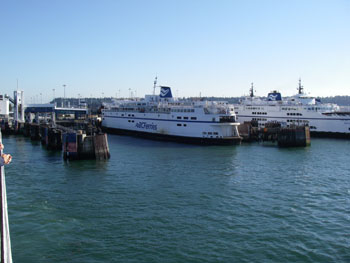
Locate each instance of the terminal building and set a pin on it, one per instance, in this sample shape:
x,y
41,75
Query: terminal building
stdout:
x,y
49,112
13,110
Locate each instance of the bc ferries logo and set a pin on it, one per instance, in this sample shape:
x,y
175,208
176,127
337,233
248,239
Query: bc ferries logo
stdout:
x,y
272,97
165,92
146,126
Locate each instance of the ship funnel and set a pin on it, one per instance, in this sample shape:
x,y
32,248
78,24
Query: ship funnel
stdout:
x,y
274,96
165,92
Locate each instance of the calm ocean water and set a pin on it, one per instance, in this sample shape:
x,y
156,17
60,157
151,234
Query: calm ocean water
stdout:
x,y
167,202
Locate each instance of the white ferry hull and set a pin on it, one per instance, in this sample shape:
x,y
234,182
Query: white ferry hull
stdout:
x,y
165,118
321,125
161,127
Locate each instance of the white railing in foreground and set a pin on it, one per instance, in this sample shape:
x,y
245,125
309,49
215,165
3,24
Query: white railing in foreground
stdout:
x,y
6,254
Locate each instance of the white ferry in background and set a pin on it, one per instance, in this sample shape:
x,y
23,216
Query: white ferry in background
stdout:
x,y
301,109
166,118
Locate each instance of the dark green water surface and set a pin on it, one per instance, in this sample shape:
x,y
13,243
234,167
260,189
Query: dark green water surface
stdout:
x,y
166,202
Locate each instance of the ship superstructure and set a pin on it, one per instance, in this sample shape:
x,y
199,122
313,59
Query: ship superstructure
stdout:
x,y
324,119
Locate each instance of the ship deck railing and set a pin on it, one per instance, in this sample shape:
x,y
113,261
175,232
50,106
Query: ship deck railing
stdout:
x,y
6,253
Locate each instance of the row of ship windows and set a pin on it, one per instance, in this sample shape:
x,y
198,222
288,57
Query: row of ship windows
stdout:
x,y
298,121
310,108
178,117
289,108
295,114
260,113
182,110
131,121
311,127
252,108
186,118
259,119
179,124
129,115
210,133
316,108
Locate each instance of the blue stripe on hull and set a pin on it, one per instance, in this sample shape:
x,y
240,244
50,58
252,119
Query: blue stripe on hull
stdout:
x,y
174,138
291,117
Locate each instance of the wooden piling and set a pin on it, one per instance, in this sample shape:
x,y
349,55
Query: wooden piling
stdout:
x,y
54,141
101,147
34,131
44,136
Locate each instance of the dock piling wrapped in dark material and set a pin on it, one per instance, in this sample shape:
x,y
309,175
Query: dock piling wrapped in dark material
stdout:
x,y
54,141
35,132
78,146
293,136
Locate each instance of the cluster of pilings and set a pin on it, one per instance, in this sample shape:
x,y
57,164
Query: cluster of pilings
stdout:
x,y
11,127
293,136
75,144
78,146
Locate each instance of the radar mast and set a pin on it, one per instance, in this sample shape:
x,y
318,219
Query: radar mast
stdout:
x,y
300,88
154,85
251,91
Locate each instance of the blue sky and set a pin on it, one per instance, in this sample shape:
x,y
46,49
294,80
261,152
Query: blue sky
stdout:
x,y
106,48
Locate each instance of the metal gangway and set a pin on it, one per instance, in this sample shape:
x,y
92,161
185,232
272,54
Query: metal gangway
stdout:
x,y
6,254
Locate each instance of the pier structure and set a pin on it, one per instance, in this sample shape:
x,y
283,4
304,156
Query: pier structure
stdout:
x,y
12,111
78,145
274,132
66,129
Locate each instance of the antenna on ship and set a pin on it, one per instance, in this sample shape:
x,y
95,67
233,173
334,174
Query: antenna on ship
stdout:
x,y
154,85
300,88
251,91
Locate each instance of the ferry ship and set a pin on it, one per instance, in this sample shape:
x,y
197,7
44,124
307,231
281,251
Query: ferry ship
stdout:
x,y
163,117
324,119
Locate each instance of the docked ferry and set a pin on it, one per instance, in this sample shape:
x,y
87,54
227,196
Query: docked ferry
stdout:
x,y
166,118
324,119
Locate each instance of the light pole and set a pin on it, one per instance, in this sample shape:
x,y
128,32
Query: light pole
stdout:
x,y
64,94
64,91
